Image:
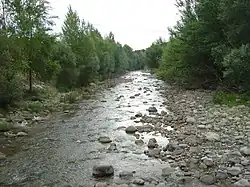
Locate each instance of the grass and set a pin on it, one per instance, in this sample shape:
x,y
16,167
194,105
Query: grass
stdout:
x,y
231,98
4,125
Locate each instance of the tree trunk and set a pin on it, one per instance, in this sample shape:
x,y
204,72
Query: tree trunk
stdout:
x,y
30,80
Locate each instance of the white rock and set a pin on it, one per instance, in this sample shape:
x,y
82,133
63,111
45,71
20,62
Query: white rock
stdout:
x,y
22,134
212,136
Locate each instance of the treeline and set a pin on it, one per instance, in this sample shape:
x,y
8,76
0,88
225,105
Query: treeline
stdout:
x,y
209,46
74,58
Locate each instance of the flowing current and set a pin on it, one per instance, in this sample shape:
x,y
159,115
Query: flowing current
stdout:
x,y
65,150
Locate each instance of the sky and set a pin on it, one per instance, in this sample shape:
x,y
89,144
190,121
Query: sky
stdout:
x,y
137,23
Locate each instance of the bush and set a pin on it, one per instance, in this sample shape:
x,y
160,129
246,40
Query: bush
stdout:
x,y
10,91
231,99
70,97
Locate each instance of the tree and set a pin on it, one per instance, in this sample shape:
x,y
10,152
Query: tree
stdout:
x,y
30,22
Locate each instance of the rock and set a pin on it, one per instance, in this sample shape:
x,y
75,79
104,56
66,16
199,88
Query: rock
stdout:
x,y
212,136
154,152
201,126
9,134
152,109
167,171
22,134
208,179
184,180
132,97
126,174
245,151
234,171
2,156
152,143
138,115
139,142
138,181
242,183
101,184
190,119
103,171
208,161
112,147
221,175
104,139
131,129
171,147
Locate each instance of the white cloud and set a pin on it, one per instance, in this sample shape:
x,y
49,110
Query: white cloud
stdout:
x,y
134,22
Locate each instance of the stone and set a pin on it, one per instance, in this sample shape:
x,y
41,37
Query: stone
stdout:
x,y
201,126
167,171
242,183
138,115
126,174
190,119
208,179
221,175
138,181
154,152
101,184
152,109
212,136
22,134
139,142
245,151
131,129
152,143
208,161
2,156
171,147
104,139
234,171
103,171
184,180
112,147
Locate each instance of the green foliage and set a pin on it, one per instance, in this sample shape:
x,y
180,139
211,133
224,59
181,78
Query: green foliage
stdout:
x,y
78,56
231,98
4,125
209,46
70,97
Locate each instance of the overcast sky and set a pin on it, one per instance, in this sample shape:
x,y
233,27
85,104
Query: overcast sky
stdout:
x,y
134,22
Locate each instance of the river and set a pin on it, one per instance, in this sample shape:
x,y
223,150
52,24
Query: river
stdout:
x,y
66,149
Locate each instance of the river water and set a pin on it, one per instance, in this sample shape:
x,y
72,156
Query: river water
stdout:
x,y
66,150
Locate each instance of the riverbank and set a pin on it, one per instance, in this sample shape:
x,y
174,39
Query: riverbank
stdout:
x,y
146,133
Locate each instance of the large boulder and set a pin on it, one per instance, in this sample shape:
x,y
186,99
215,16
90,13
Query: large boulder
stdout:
x,y
103,171
131,129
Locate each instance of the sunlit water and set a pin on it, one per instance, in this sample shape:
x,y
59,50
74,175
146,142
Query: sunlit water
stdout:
x,y
66,151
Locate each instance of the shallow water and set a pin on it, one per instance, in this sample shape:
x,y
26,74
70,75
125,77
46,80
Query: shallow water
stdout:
x,y
65,152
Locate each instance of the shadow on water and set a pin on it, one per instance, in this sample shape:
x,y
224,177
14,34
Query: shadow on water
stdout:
x,y
66,153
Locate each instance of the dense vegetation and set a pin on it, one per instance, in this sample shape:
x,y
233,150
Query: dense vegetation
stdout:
x,y
209,46
71,59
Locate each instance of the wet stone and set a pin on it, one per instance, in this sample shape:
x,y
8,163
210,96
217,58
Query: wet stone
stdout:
x,y
152,109
131,129
208,179
167,171
138,181
245,151
234,171
101,184
139,142
103,171
152,143
242,183
104,139
22,134
2,156
126,174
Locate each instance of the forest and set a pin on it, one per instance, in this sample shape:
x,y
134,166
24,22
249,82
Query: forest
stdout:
x,y
31,51
209,47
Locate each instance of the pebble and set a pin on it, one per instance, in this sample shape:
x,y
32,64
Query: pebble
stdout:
x,y
22,134
138,181
208,179
131,129
104,139
167,171
103,171
2,156
234,171
242,183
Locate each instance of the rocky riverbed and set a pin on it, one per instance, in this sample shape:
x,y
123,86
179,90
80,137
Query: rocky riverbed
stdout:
x,y
142,132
